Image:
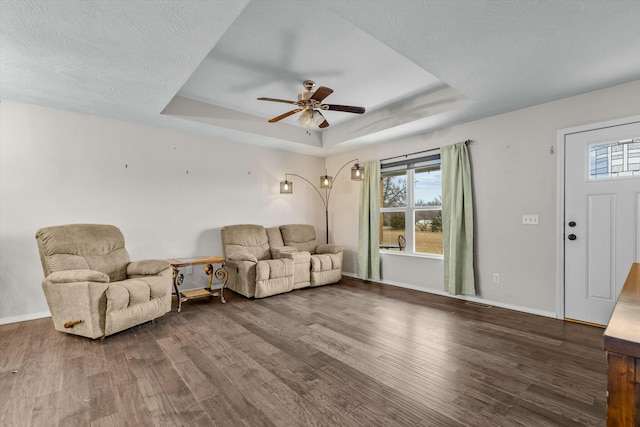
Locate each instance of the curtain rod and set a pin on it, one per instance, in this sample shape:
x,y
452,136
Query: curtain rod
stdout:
x,y
467,142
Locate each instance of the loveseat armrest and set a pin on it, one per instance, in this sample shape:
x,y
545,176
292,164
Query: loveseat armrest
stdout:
x,y
73,276
149,267
242,256
328,249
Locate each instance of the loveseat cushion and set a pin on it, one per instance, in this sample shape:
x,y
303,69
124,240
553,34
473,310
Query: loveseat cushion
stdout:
x,y
326,269
325,262
246,238
273,277
302,236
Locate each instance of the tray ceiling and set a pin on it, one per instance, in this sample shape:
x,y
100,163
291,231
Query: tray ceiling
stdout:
x,y
416,66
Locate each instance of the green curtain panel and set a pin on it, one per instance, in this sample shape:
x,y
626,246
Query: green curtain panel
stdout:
x,y
457,220
369,233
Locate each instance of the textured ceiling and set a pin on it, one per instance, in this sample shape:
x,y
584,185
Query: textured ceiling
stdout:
x,y
416,66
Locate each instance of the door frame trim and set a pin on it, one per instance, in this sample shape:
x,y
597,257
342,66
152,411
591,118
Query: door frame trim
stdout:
x,y
560,193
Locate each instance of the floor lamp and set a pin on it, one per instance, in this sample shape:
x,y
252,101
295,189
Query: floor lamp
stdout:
x,y
326,182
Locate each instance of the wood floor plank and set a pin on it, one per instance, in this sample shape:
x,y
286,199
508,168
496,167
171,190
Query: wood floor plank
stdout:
x,y
352,354
131,405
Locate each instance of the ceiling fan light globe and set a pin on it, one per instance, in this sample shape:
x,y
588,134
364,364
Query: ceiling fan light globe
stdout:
x,y
306,118
317,118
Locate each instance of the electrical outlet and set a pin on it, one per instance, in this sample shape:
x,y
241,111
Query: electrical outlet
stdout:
x,y
496,277
189,269
531,219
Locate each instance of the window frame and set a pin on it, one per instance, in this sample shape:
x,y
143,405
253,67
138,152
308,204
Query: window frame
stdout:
x,y
410,163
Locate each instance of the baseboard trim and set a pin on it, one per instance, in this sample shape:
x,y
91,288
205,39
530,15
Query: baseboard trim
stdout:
x,y
582,322
33,316
25,317
507,306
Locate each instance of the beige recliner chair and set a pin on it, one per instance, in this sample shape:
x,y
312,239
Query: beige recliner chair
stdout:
x,y
251,269
91,286
326,259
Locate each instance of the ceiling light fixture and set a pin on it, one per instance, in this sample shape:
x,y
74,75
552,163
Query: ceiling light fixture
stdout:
x,y
310,118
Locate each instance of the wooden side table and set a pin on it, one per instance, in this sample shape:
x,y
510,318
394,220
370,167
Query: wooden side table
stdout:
x,y
622,343
220,274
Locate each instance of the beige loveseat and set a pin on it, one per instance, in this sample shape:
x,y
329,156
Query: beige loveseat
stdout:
x,y
266,261
91,286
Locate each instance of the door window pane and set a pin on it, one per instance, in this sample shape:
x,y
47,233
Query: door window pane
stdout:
x,y
614,159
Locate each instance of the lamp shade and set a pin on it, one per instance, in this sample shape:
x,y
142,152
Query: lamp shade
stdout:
x,y
286,187
326,181
357,172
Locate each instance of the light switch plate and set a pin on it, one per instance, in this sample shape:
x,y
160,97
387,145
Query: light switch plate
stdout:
x,y
530,219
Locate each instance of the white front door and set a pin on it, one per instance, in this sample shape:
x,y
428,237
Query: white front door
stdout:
x,y
602,218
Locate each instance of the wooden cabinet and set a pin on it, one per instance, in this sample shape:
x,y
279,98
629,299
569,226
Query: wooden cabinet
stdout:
x,y
622,343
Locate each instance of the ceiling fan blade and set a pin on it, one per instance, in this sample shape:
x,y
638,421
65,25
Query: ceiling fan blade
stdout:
x,y
345,108
321,93
286,101
285,115
325,123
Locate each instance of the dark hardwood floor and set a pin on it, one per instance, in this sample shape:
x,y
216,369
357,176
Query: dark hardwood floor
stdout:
x,y
352,354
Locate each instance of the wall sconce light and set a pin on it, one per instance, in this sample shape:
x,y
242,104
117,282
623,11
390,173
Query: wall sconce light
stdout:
x,y
326,182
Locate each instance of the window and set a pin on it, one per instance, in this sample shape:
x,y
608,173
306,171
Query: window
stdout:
x,y
614,159
411,193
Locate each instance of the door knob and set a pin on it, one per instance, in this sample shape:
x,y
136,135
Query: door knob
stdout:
x,y
572,237
572,223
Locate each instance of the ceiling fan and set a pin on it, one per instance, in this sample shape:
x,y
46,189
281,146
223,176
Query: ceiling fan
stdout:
x,y
310,104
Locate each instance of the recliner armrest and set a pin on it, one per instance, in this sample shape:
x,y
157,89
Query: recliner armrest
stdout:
x,y
72,276
328,249
242,256
149,267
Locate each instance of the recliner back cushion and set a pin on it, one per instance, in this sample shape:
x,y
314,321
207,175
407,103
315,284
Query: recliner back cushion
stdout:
x,y
83,246
246,237
302,236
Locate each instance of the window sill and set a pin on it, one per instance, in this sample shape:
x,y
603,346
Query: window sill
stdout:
x,y
411,255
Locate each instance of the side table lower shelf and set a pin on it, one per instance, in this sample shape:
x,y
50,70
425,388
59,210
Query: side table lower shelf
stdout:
x,y
178,278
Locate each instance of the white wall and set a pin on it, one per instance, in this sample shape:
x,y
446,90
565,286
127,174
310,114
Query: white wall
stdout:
x,y
58,167
514,173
